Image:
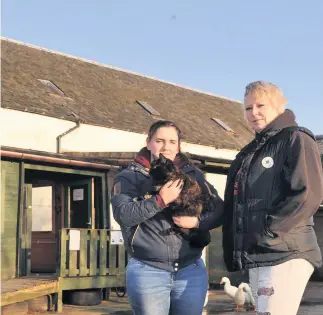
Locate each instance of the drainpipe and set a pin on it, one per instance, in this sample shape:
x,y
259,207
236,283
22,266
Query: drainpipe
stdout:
x,y
58,138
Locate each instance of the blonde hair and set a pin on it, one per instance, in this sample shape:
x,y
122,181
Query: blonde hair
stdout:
x,y
260,88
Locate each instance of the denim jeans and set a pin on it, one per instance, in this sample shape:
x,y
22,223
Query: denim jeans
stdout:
x,y
153,291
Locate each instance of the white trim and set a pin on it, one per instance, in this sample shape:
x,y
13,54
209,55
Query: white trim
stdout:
x,y
27,130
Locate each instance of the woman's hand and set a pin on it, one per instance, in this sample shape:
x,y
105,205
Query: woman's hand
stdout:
x,y
186,222
170,191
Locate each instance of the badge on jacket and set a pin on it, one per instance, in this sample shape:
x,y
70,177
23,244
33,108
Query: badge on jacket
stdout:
x,y
267,162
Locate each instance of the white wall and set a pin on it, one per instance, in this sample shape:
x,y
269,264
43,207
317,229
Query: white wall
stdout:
x,y
31,131
218,181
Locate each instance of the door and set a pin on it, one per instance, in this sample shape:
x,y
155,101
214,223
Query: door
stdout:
x,y
79,208
43,226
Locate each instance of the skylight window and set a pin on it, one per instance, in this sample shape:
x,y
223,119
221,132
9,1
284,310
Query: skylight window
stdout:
x,y
52,86
148,108
222,124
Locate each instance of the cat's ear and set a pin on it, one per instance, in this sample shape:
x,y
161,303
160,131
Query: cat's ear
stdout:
x,y
162,158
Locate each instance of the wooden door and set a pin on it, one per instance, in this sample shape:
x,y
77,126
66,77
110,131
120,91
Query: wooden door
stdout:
x,y
79,207
43,236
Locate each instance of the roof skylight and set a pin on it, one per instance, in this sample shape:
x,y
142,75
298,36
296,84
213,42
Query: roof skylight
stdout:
x,y
222,124
148,108
52,86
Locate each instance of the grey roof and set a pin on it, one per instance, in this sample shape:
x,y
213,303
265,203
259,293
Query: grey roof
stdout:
x,y
101,95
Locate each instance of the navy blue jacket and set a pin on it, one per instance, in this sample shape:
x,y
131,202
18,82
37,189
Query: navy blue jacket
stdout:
x,y
144,219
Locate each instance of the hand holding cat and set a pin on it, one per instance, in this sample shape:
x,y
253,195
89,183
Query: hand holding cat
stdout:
x,y
170,191
186,222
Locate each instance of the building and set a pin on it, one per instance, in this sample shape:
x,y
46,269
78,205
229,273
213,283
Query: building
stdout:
x,y
68,125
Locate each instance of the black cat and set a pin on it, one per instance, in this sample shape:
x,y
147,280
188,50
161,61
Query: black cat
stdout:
x,y
189,203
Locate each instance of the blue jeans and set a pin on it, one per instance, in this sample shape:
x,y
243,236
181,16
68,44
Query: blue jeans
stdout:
x,y
153,291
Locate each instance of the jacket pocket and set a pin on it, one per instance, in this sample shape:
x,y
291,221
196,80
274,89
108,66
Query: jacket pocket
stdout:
x,y
269,241
262,240
267,231
268,244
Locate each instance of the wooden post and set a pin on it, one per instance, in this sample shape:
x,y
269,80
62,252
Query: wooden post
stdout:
x,y
92,189
93,252
112,257
103,252
83,253
59,301
28,227
105,202
21,255
122,259
63,253
72,268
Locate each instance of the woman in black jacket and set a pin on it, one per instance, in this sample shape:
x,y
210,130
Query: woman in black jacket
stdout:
x,y
274,188
165,274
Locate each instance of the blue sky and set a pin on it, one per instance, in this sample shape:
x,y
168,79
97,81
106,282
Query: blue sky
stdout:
x,y
215,46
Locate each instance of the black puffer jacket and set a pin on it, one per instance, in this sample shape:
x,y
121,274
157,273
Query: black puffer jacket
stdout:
x,y
274,188
144,221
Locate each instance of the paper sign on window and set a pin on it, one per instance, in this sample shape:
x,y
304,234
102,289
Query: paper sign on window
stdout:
x,y
116,238
75,239
78,194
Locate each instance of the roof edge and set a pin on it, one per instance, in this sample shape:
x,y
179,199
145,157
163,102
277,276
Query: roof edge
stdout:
x,y
55,158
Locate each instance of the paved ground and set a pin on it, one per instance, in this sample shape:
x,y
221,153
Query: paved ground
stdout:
x,y
312,304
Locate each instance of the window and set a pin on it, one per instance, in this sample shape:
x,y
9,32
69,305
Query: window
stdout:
x,y
148,108
42,206
52,86
222,124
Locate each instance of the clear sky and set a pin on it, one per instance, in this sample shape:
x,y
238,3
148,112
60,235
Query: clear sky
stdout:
x,y
216,46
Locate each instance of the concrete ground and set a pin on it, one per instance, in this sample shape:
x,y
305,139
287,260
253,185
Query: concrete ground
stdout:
x,y
219,303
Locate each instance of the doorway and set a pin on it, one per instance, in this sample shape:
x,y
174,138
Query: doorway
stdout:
x,y
52,201
44,239
80,209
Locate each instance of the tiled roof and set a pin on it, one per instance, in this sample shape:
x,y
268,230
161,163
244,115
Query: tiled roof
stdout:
x,y
101,95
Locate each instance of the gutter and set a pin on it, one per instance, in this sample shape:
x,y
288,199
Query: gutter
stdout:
x,y
59,138
62,161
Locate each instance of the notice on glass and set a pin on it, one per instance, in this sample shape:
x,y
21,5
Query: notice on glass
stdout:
x,y
116,238
75,239
78,194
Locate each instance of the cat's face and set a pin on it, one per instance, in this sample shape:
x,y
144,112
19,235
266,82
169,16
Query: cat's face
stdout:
x,y
161,168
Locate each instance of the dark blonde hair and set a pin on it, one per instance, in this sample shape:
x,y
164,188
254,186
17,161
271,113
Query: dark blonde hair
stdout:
x,y
259,88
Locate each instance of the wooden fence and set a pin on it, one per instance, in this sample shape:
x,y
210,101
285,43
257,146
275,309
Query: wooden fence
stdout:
x,y
96,255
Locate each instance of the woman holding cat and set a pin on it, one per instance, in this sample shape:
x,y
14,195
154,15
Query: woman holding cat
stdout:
x,y
165,275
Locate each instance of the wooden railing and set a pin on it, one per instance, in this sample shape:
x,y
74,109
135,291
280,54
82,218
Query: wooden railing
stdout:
x,y
96,255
